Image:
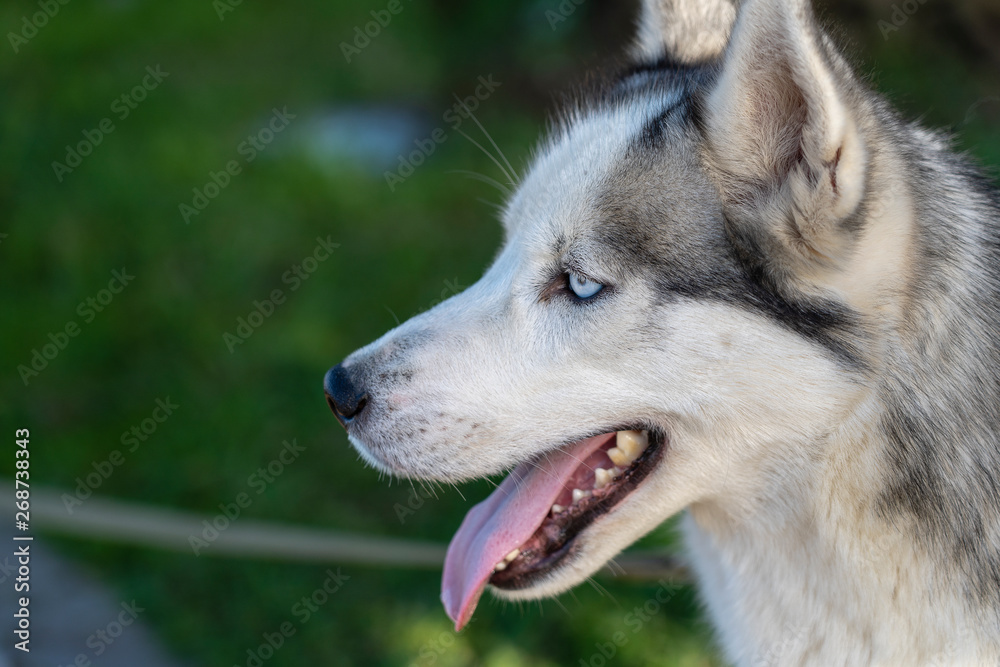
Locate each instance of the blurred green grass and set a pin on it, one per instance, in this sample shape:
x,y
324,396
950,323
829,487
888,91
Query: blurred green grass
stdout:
x,y
399,252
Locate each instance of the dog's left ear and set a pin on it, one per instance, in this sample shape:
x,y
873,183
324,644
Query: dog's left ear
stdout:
x,y
685,31
783,139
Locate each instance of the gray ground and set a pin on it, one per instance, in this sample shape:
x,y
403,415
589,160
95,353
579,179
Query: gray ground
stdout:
x,y
68,606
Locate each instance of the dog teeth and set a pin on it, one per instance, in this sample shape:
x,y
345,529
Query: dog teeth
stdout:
x,y
632,443
618,457
509,558
604,477
629,445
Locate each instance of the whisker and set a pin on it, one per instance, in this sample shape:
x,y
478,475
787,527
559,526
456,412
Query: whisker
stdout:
x,y
485,179
393,315
614,567
538,466
602,591
491,204
582,463
572,593
561,605
488,154
518,479
513,181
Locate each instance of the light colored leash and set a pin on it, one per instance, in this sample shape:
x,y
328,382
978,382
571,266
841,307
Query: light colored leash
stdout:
x,y
136,524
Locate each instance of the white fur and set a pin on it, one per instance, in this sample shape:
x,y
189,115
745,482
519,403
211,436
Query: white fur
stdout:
x,y
773,447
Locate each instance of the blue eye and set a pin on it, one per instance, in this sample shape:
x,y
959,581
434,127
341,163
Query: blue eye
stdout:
x,y
584,288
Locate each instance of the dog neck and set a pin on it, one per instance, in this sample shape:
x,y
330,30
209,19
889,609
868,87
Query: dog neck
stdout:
x,y
817,573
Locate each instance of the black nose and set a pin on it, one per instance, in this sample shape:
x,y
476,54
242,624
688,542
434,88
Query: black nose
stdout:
x,y
344,397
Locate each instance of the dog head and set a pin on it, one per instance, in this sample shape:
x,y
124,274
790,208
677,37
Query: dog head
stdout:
x,y
679,310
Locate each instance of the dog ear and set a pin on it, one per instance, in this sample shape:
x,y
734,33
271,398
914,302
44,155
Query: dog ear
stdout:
x,y
784,140
685,31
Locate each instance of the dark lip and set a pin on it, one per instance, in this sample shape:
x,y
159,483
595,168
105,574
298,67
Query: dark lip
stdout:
x,y
526,571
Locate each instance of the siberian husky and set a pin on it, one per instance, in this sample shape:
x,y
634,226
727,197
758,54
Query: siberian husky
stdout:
x,y
735,284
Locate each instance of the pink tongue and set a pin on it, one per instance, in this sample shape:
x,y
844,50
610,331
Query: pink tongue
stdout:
x,y
503,522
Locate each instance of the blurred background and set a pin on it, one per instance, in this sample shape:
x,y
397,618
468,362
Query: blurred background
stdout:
x,y
206,204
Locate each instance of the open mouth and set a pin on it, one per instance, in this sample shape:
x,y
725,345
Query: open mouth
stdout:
x,y
527,527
